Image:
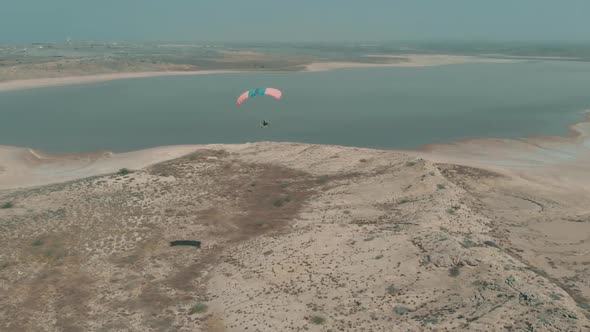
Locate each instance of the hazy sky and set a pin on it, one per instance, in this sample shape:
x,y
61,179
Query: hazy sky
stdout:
x,y
294,20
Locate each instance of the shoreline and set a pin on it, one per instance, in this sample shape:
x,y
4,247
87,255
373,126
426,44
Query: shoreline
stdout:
x,y
26,84
25,167
414,60
562,162
574,136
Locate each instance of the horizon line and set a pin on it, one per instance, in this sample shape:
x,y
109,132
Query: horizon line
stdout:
x,y
340,42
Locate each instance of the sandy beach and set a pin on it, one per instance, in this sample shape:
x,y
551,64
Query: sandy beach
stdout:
x,y
405,60
73,80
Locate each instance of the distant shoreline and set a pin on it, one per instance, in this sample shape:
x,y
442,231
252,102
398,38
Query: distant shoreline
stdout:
x,y
414,60
32,83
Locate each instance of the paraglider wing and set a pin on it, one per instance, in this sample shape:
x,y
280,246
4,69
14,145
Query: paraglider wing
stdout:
x,y
276,93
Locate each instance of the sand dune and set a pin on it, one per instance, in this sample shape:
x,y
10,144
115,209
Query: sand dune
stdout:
x,y
24,167
295,237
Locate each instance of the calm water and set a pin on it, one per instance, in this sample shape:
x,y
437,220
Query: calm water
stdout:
x,y
378,107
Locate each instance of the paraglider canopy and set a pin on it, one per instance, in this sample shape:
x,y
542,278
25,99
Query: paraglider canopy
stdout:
x,y
276,93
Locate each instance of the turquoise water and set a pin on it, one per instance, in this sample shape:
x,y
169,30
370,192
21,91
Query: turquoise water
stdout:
x,y
378,107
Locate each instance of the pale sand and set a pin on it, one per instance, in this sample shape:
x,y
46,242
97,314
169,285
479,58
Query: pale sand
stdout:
x,y
73,80
24,167
409,60
531,57
559,161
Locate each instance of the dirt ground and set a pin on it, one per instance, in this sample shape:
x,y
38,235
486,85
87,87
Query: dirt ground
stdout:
x,y
295,237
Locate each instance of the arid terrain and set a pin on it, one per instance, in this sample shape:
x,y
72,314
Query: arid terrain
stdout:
x,y
294,237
